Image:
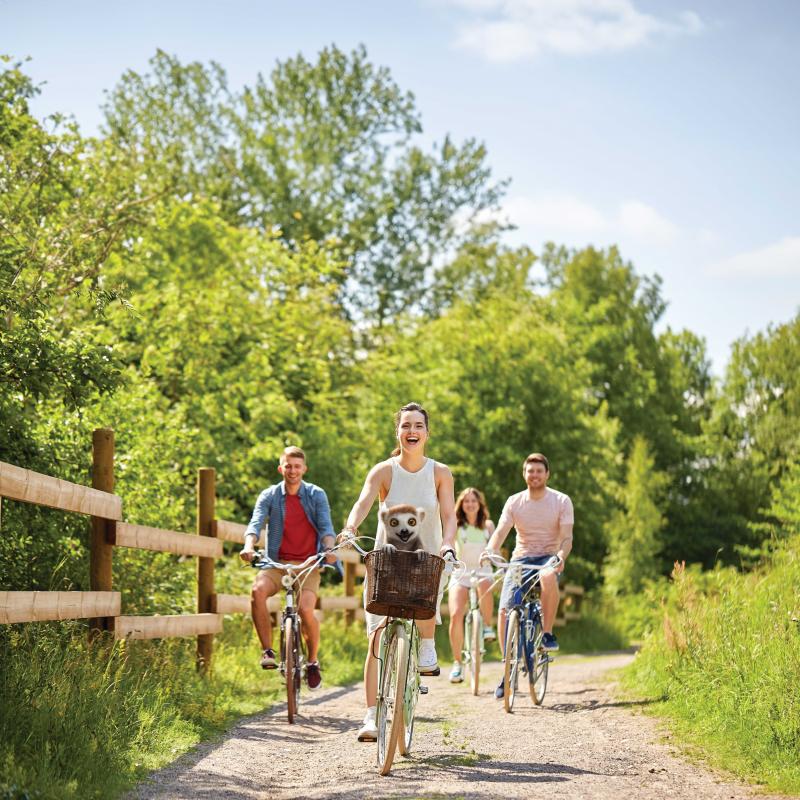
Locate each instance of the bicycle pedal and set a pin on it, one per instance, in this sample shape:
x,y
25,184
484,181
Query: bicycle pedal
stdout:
x,y
423,689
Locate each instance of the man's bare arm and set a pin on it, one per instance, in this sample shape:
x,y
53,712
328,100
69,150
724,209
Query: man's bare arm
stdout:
x,y
565,546
501,532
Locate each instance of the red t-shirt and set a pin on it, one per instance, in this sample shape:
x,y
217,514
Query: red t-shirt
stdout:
x,y
299,537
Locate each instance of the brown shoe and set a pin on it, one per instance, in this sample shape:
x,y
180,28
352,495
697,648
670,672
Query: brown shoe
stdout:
x,y
268,659
313,676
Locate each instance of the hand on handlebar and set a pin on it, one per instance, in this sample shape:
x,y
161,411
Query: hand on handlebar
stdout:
x,y
346,535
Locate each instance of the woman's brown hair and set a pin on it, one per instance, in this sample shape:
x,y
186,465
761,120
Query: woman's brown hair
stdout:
x,y
483,511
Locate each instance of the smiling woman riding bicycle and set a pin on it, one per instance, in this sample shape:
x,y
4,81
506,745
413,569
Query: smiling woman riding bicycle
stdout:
x,y
408,477
474,530
543,519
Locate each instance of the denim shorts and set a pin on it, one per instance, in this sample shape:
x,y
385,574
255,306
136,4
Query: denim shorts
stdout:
x,y
511,586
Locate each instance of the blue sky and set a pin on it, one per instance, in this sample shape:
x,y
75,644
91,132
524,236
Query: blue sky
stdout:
x,y
672,130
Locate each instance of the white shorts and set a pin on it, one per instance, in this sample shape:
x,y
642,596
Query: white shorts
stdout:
x,y
484,574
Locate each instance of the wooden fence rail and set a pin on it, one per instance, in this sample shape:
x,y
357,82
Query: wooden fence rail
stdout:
x,y
42,606
102,606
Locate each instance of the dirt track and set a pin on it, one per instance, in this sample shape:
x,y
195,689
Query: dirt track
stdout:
x,y
582,743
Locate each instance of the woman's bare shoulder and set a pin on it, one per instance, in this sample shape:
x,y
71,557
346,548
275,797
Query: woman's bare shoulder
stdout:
x,y
382,470
441,470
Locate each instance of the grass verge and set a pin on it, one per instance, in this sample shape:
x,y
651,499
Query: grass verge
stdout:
x,y
723,668
89,721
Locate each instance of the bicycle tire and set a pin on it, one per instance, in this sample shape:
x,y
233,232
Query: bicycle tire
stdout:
x,y
389,712
289,663
411,693
538,666
511,661
475,646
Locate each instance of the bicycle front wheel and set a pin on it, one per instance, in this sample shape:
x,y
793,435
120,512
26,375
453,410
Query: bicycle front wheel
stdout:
x,y
407,654
538,665
290,667
475,645
511,674
390,697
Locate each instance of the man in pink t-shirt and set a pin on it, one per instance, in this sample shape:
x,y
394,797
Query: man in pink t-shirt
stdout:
x,y
543,519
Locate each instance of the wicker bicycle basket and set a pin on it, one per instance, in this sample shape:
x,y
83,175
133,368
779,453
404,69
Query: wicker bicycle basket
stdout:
x,y
401,584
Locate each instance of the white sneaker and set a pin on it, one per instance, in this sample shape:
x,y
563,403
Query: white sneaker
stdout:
x,y
428,663
456,674
368,732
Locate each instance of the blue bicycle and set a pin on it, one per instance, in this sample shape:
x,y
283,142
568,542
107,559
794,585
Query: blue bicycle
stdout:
x,y
523,651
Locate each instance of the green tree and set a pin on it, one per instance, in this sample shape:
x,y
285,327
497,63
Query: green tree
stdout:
x,y
318,150
751,438
633,531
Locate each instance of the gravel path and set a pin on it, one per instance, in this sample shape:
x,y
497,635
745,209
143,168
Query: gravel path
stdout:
x,y
582,743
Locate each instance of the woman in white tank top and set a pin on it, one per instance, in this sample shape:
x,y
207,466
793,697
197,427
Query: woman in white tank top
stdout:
x,y
408,477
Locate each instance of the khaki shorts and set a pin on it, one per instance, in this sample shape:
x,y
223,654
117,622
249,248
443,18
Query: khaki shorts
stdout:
x,y
310,579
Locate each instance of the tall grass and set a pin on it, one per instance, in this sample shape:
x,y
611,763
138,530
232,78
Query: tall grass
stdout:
x,y
88,721
725,664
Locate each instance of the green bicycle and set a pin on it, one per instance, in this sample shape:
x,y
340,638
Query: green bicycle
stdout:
x,y
474,649
403,587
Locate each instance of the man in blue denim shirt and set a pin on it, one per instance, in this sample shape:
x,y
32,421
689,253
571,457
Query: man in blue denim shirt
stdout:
x,y
299,525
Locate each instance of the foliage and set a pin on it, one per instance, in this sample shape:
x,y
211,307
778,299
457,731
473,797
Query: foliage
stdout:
x,y
83,721
633,531
722,666
317,151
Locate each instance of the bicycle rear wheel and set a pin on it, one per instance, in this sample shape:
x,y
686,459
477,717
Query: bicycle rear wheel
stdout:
x,y
390,698
511,674
290,668
475,644
538,665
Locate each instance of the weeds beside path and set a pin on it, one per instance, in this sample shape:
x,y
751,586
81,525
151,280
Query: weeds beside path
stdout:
x,y
583,743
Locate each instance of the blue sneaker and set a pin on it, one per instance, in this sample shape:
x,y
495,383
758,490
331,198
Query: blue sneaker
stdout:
x,y
500,690
549,642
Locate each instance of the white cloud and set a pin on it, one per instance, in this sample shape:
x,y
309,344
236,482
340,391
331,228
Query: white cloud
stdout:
x,y
510,30
575,221
644,222
781,259
560,214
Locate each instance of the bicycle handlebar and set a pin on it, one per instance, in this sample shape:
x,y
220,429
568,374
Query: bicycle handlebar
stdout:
x,y
261,559
500,563
449,556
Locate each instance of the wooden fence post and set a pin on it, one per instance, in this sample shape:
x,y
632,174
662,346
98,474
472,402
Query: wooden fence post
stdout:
x,y
206,498
349,590
101,549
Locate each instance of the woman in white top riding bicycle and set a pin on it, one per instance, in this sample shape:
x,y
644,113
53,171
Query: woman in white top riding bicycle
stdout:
x,y
474,530
408,477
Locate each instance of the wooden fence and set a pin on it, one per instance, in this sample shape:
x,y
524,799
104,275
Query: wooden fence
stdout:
x,y
101,605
